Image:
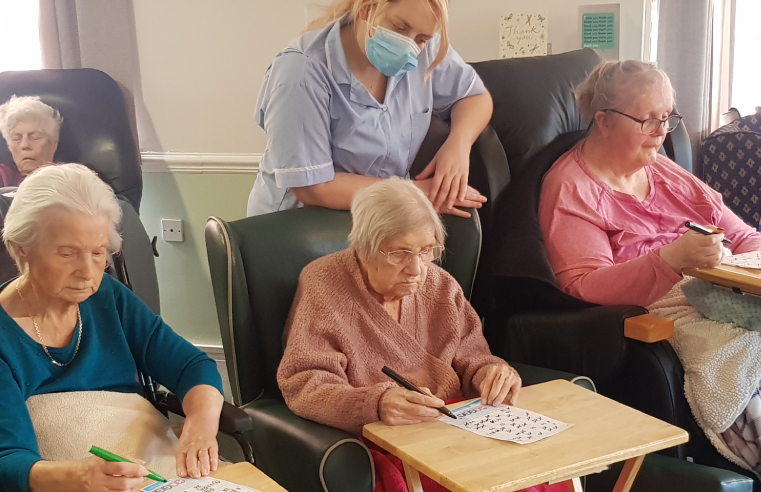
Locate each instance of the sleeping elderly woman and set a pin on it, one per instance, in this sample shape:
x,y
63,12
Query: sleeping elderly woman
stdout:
x,y
383,302
30,128
72,340
613,213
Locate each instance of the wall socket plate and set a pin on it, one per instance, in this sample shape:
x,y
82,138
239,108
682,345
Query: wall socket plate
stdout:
x,y
172,230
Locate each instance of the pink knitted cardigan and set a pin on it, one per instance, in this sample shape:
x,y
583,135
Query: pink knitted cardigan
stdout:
x,y
341,337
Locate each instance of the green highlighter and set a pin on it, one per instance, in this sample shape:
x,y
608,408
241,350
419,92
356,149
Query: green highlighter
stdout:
x,y
109,456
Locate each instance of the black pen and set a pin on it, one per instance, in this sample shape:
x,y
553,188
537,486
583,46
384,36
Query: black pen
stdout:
x,y
703,230
399,379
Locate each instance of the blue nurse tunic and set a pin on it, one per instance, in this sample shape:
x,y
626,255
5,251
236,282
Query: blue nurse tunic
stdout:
x,y
320,119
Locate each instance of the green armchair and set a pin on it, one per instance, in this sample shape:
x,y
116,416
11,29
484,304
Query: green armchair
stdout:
x,y
255,265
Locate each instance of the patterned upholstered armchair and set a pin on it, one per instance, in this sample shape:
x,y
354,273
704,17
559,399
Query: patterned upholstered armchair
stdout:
x,y
731,163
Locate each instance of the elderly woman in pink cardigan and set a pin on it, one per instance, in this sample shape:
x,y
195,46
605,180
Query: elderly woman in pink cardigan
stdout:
x,y
613,213
383,302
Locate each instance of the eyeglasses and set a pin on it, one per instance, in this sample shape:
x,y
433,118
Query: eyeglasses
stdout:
x,y
403,256
651,126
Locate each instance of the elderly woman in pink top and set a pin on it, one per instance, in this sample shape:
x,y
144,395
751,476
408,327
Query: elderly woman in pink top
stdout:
x,y
613,213
383,302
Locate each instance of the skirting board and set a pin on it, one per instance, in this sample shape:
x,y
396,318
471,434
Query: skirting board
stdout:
x,y
198,163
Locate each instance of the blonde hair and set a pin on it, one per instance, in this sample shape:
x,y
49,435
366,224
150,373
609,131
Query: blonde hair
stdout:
x,y
72,187
611,84
387,209
29,108
374,9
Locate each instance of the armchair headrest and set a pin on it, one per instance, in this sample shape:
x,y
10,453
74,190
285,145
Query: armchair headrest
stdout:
x,y
533,100
96,129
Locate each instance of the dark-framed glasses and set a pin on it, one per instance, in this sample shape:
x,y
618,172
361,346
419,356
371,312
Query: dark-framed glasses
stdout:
x,y
651,126
403,256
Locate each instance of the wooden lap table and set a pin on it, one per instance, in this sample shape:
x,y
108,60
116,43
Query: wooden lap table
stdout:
x,y
248,475
603,432
744,279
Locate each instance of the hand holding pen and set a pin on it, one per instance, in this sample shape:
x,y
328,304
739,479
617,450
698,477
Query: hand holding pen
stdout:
x,y
706,231
702,249
409,404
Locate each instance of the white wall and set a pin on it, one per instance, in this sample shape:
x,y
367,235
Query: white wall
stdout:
x,y
202,62
475,25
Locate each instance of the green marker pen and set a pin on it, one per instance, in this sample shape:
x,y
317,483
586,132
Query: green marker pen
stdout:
x,y
109,456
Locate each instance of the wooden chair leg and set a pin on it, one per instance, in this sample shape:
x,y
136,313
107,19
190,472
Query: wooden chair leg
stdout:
x,y
413,479
628,474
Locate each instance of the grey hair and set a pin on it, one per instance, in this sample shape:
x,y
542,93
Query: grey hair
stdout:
x,y
30,108
610,85
387,209
71,187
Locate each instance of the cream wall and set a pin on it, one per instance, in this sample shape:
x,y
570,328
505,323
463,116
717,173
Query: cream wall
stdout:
x,y
201,66
202,62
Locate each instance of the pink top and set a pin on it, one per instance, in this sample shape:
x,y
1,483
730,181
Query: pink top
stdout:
x,y
603,244
340,337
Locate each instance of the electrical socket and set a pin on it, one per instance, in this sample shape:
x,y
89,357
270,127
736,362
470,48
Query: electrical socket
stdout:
x,y
172,230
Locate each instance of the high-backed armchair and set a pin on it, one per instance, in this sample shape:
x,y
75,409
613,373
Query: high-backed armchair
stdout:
x,y
255,265
533,321
96,132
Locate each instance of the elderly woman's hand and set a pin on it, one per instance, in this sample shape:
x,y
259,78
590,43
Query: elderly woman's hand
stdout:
x,y
197,452
693,250
497,382
398,406
87,475
95,474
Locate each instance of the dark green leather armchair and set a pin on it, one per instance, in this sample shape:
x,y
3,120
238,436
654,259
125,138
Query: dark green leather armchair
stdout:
x,y
255,265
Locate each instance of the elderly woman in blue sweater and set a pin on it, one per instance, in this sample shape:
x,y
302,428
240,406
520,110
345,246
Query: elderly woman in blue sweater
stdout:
x,y
72,341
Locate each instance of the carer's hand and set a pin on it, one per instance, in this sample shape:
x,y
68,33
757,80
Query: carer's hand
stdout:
x,y
499,381
197,452
399,406
449,171
97,475
473,199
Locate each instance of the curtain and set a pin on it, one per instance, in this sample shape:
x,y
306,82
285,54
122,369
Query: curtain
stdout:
x,y
694,50
685,28
96,34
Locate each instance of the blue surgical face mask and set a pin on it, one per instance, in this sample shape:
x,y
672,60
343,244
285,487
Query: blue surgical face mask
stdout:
x,y
393,54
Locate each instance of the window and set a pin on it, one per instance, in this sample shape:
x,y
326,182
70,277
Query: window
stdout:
x,y
745,93
19,35
651,54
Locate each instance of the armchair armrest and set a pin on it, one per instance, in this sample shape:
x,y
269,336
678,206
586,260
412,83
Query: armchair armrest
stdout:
x,y
234,420
661,472
329,459
535,375
648,328
591,342
683,476
231,421
588,341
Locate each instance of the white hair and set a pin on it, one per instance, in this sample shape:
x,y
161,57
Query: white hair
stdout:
x,y
30,108
387,209
613,84
71,187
